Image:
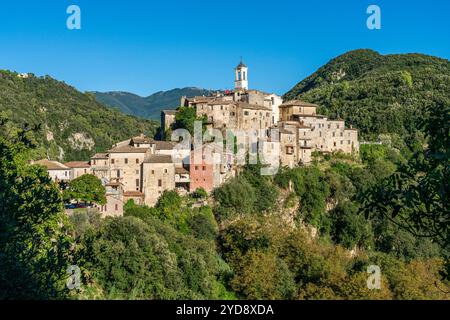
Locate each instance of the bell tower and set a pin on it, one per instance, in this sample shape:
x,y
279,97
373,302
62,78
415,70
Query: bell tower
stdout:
x,y
241,77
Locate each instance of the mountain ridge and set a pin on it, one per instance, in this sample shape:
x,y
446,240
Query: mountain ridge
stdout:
x,y
148,107
378,94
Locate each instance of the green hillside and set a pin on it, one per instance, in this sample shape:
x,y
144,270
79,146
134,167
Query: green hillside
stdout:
x,y
148,107
73,125
377,93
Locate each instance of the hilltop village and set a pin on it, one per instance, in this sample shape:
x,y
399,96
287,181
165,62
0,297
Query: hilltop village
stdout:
x,y
142,168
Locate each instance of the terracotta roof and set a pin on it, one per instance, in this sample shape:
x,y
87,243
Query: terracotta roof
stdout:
x,y
51,165
133,194
181,171
165,145
77,164
142,140
297,103
128,149
245,105
285,131
100,156
158,158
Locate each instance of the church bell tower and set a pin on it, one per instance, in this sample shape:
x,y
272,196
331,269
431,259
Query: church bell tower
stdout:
x,y
241,77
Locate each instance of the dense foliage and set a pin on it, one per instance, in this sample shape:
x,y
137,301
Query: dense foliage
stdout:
x,y
35,246
87,188
73,126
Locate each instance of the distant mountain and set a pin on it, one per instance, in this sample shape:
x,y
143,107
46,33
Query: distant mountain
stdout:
x,y
73,125
377,93
148,107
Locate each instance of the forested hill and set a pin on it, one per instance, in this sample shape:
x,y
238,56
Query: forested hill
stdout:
x,y
377,93
73,125
148,107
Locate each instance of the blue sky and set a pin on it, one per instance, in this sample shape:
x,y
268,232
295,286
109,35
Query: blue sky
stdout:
x,y
144,46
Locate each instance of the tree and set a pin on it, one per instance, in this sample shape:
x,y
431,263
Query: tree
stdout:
x,y
186,117
348,227
87,188
35,247
236,197
417,196
200,193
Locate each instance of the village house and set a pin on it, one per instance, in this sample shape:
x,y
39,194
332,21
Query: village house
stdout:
x,y
56,170
239,109
158,175
114,201
78,168
302,131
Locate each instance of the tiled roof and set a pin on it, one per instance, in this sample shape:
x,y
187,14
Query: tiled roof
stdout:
x,y
297,103
133,194
165,145
51,165
244,105
128,149
100,156
181,171
158,158
77,164
142,140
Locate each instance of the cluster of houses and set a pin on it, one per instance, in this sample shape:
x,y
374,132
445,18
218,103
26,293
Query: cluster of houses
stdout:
x,y
141,168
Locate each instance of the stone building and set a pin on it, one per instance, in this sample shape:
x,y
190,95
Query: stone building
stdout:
x,y
303,131
158,175
239,109
56,170
78,168
126,165
114,201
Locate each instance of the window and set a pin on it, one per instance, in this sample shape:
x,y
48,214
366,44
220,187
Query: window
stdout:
x,y
329,126
334,134
85,171
118,173
126,160
196,168
165,171
159,183
245,113
342,134
117,207
153,171
137,183
113,161
95,162
204,168
138,145
342,142
137,161
137,171
348,141
334,144
337,126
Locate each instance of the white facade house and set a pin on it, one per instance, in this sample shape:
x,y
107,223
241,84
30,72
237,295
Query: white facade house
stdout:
x,y
57,171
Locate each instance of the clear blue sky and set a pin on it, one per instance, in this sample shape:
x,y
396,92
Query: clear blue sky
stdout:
x,y
144,46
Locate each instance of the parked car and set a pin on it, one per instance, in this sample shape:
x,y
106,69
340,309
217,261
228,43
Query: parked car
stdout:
x,y
70,206
81,206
